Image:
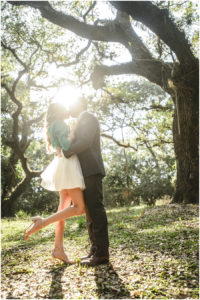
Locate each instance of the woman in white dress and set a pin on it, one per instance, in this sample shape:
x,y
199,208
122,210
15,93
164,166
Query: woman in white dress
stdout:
x,y
63,175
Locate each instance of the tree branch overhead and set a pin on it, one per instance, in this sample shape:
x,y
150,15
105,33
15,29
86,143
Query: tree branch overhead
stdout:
x,y
107,33
158,21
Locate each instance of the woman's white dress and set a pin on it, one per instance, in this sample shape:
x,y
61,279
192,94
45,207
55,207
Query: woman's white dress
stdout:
x,y
62,173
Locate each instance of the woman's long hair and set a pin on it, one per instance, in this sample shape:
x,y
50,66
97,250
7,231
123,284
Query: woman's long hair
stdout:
x,y
56,111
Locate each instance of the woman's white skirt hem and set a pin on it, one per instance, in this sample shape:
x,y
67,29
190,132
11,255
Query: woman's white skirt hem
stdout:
x,y
63,173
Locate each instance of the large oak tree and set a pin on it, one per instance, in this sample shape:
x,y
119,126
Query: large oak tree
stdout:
x,y
178,78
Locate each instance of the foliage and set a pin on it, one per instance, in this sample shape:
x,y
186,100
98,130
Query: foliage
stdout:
x,y
30,50
131,180
37,200
145,170
187,19
154,256
132,110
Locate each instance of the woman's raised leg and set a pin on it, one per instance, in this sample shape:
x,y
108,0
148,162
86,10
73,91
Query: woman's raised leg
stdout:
x,y
78,208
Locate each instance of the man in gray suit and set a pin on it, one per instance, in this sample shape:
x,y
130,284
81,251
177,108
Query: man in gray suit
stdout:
x,y
86,144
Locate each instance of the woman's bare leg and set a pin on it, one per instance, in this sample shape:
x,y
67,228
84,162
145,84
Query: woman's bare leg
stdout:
x,y
78,208
60,225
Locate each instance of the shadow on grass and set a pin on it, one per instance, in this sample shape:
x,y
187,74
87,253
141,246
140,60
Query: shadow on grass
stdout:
x,y
55,291
19,235
23,246
37,240
179,243
109,285
124,226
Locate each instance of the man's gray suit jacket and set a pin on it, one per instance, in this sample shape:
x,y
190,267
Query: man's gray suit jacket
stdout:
x,y
86,144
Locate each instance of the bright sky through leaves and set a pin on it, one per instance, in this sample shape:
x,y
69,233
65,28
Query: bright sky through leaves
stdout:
x,y
67,95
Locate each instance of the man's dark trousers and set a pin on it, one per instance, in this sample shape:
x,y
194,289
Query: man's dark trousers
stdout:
x,y
96,216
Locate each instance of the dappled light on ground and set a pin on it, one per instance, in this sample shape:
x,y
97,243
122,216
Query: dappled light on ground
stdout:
x,y
154,256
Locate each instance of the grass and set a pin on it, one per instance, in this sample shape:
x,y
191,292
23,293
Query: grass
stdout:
x,y
154,256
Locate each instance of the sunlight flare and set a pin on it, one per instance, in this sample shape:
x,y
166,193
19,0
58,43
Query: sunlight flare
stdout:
x,y
67,95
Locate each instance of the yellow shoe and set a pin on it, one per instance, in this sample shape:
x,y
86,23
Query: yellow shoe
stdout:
x,y
34,227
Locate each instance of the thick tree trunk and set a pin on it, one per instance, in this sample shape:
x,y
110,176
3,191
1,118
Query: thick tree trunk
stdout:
x,y
186,140
10,176
7,208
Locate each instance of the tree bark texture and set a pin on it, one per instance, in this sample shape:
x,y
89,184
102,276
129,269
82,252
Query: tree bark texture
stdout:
x,y
186,141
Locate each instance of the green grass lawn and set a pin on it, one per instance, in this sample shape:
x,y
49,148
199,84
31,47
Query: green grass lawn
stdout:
x,y
153,256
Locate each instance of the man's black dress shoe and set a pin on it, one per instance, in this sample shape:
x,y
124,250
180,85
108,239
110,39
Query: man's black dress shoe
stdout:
x,y
95,260
88,256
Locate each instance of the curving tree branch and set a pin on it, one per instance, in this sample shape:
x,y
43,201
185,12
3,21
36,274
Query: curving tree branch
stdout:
x,y
117,142
159,75
119,30
158,21
107,33
18,146
77,59
13,51
89,9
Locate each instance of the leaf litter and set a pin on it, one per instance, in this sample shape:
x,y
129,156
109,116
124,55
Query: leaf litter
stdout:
x,y
154,256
